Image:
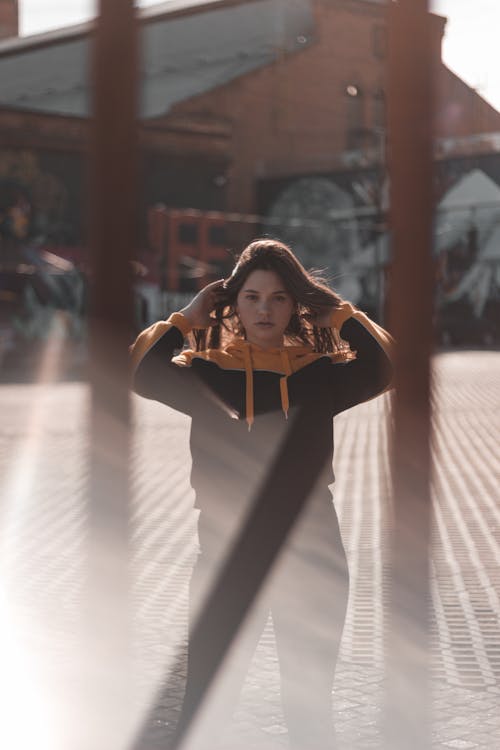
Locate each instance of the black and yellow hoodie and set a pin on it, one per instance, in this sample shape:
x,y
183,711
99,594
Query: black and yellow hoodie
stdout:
x,y
226,391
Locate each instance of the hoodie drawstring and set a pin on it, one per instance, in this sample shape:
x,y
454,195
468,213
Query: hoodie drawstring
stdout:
x,y
249,398
285,361
249,386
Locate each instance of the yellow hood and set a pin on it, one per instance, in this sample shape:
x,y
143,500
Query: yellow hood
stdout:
x,y
240,354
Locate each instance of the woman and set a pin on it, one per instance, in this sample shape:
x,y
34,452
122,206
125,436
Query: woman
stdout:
x,y
269,340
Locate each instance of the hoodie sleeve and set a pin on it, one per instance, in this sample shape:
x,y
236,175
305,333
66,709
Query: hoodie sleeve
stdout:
x,y
371,372
155,375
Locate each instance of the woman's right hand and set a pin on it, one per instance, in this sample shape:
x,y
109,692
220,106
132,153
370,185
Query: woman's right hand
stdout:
x,y
199,309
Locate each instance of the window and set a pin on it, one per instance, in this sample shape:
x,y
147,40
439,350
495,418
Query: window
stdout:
x,y
188,233
355,114
379,109
217,235
379,42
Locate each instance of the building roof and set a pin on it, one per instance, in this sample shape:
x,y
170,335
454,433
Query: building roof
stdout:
x,y
188,47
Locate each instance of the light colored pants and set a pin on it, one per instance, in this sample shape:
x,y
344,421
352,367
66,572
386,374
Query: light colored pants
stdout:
x,y
306,595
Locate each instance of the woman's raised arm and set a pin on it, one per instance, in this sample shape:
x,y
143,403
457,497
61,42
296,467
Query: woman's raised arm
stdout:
x,y
155,376
371,372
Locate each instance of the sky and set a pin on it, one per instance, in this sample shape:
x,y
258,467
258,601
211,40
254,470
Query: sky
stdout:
x,y
471,44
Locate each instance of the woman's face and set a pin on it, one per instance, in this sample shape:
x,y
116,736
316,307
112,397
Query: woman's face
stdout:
x,y
264,307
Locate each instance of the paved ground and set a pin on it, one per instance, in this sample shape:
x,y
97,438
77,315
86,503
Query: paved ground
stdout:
x,y
42,465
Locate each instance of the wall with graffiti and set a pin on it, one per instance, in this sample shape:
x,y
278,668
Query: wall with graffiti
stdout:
x,y
339,223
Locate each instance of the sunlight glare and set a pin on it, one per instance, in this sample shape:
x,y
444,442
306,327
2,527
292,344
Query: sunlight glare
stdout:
x,y
26,716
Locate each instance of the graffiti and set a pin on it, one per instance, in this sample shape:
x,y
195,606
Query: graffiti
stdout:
x,y
468,240
339,223
334,225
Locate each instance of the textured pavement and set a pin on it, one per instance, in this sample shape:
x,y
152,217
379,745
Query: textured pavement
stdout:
x,y
43,472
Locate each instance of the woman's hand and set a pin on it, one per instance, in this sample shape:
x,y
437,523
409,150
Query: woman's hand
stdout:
x,y
199,309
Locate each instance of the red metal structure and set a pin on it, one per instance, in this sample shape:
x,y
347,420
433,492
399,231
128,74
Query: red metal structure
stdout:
x,y
113,203
191,243
410,302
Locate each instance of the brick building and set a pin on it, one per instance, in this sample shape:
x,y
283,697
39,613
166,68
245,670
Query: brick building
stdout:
x,y
313,107
274,108
9,19
323,109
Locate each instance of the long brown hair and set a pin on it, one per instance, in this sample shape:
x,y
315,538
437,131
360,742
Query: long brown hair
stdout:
x,y
308,289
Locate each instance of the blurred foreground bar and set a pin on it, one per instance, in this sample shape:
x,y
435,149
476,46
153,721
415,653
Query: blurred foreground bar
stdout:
x,y
113,178
411,294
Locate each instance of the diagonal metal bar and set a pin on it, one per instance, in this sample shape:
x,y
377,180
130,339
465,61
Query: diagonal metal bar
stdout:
x,y
279,501
411,301
112,199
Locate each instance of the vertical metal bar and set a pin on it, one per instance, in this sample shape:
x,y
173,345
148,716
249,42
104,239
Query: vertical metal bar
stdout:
x,y
411,296
113,167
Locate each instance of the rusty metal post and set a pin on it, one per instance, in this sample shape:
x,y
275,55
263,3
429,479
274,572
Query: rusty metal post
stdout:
x,y
113,167
411,300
